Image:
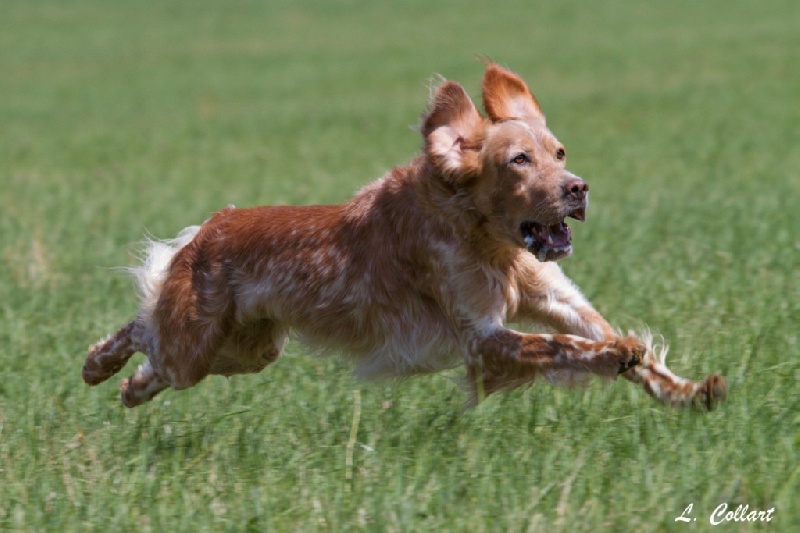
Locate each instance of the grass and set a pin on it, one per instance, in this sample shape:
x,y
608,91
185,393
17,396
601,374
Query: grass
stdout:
x,y
126,118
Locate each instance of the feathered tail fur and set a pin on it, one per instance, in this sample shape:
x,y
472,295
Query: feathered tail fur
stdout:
x,y
149,276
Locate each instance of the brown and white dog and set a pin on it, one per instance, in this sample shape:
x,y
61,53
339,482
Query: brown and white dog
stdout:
x,y
419,272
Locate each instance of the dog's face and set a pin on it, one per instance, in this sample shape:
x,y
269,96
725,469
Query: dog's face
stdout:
x,y
511,164
526,190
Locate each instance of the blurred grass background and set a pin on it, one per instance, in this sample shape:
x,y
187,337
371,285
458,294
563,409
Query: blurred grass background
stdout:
x,y
125,118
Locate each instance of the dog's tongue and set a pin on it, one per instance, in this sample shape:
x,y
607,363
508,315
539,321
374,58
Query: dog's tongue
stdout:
x,y
558,235
579,214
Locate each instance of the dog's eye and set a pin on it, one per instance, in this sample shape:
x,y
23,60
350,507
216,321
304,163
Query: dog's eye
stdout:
x,y
561,154
520,159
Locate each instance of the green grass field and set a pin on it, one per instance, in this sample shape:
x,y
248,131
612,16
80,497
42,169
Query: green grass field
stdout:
x,y
126,118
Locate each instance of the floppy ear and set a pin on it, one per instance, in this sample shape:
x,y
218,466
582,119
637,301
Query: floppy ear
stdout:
x,y
453,131
505,96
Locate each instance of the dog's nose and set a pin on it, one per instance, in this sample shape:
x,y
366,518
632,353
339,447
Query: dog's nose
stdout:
x,y
577,188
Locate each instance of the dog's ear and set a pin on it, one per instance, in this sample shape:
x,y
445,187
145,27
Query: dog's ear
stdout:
x,y
505,96
453,131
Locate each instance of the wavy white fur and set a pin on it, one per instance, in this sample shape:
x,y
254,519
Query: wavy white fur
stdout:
x,y
149,276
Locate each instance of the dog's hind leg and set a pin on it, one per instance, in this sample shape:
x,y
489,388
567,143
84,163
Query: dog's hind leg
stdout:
x,y
180,361
142,386
109,356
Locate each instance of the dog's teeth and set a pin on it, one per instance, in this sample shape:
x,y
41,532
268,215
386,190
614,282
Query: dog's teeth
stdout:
x,y
543,255
549,239
528,241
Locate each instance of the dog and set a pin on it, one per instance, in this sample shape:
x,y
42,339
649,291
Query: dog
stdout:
x,y
418,273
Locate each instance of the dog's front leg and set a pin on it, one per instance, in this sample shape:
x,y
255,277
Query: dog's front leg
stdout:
x,y
503,358
563,307
668,388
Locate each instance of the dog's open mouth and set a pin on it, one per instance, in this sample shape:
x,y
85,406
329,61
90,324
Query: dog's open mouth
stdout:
x,y
547,243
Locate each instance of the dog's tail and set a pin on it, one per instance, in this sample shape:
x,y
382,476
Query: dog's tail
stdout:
x,y
149,276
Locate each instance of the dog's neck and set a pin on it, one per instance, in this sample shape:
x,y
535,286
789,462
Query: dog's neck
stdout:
x,y
454,206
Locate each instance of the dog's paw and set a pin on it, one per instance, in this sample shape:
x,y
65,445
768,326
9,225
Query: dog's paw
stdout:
x,y
630,351
97,371
712,391
127,394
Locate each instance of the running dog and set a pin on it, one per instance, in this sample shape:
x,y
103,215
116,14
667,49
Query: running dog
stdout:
x,y
419,272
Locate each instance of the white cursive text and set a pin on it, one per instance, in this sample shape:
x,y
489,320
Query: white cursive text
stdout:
x,y
741,514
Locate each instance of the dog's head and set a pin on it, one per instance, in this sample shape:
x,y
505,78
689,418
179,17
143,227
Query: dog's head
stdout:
x,y
509,164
